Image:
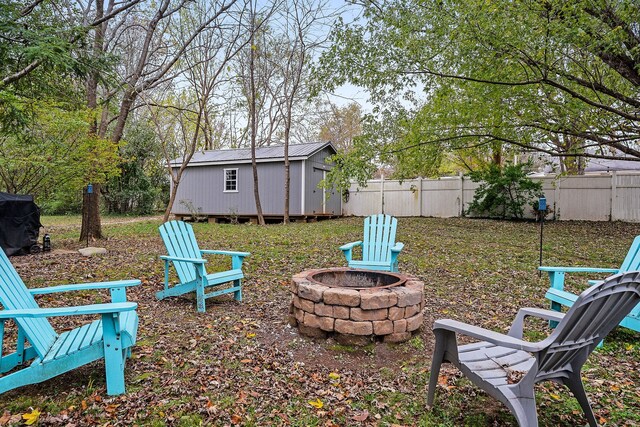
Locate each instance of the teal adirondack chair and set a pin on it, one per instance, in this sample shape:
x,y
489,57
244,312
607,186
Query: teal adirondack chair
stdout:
x,y
51,354
559,297
379,248
187,260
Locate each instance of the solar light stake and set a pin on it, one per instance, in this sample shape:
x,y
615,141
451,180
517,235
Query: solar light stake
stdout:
x,y
542,207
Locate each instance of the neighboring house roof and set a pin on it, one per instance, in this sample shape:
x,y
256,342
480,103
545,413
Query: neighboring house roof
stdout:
x,y
273,153
606,165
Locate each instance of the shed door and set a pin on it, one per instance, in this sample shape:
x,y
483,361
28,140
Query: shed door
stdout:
x,y
320,197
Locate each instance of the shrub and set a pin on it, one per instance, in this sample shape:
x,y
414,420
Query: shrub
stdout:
x,y
503,191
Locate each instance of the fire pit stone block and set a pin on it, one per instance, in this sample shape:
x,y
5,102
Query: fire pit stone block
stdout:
x,y
382,298
341,296
349,327
312,292
358,314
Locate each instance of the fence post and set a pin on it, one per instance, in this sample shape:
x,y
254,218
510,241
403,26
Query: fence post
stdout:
x,y
419,196
614,195
461,207
382,193
556,215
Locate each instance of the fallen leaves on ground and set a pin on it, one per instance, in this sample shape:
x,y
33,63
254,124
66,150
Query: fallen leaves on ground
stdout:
x,y
242,364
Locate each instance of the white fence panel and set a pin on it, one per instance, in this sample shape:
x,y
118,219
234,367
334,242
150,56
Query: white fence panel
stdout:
x,y
441,198
625,198
401,198
363,201
584,198
604,197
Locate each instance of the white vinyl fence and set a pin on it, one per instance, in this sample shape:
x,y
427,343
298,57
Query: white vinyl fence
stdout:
x,y
611,196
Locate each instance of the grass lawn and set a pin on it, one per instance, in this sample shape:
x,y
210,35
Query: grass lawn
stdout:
x,y
241,364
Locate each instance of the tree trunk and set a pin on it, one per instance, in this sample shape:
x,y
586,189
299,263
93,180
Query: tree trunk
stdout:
x,y
287,169
252,118
91,227
172,199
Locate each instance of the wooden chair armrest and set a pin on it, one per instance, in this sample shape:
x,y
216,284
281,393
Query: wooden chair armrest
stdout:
x,y
230,253
578,269
350,246
70,311
84,287
397,247
179,259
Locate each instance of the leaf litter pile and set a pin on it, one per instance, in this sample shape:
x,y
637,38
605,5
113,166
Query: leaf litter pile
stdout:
x,y
242,364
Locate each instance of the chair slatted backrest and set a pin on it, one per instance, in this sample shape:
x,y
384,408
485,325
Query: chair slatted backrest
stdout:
x,y
632,260
180,242
14,295
594,314
631,263
379,237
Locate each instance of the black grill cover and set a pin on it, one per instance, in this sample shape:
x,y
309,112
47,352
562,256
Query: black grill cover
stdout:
x,y
19,223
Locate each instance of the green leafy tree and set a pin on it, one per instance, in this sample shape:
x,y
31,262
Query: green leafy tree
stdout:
x,y
142,185
557,77
54,156
504,191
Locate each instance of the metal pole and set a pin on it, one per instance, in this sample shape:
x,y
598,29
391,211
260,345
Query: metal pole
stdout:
x,y
89,193
88,215
541,229
542,210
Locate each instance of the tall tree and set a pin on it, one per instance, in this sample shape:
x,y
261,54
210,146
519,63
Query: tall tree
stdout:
x,y
183,118
341,125
303,23
252,95
255,75
149,58
525,75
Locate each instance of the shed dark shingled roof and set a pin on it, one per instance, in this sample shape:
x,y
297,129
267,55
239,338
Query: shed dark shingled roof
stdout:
x,y
242,155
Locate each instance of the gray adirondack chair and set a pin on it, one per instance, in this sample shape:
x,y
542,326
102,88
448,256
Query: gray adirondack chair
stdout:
x,y
507,367
187,259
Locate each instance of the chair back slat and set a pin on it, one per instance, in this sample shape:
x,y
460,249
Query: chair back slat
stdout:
x,y
595,313
632,260
14,295
369,237
180,242
379,237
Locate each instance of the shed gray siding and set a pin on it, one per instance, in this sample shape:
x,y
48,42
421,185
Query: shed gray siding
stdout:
x,y
204,185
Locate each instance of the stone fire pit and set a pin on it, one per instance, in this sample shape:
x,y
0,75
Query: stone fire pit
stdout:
x,y
356,306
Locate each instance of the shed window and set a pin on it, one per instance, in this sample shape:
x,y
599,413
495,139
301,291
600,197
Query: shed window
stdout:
x,y
230,180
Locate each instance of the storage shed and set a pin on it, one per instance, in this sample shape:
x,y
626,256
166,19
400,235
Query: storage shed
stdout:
x,y
218,184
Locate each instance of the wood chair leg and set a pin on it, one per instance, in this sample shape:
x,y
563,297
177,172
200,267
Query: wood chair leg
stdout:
x,y
113,356
237,295
200,298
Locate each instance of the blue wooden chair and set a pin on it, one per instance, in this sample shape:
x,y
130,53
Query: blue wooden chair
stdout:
x,y
51,354
379,248
187,260
559,297
507,367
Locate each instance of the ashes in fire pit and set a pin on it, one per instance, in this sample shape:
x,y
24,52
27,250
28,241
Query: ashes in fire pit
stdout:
x,y
356,279
356,306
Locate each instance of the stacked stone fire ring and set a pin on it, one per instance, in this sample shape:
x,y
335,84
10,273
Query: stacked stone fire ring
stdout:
x,y
356,306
